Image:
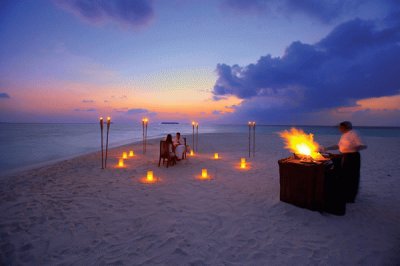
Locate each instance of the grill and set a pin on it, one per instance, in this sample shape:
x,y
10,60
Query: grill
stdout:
x,y
314,185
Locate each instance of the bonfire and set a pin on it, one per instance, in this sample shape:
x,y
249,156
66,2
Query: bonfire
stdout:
x,y
301,144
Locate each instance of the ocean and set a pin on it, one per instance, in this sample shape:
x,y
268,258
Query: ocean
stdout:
x,y
27,145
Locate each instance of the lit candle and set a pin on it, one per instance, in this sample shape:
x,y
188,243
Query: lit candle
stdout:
x,y
150,177
243,160
243,165
204,173
216,156
131,154
124,155
121,163
191,153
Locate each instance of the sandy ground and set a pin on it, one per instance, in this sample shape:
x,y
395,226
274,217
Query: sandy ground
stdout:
x,y
73,212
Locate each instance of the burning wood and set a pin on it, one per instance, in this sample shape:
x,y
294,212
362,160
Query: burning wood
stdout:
x,y
302,145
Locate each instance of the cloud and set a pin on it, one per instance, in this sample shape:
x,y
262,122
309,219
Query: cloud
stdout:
x,y
87,101
136,111
324,11
136,14
356,60
4,95
85,110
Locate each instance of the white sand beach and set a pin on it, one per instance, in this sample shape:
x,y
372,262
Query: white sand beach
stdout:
x,y
73,212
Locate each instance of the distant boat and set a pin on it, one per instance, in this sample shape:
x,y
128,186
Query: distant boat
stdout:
x,y
169,123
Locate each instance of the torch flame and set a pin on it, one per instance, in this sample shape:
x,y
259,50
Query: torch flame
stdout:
x,y
301,143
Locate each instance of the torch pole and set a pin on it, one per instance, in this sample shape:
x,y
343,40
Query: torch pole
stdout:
x,y
108,130
193,136
102,148
145,138
254,139
197,137
249,137
143,134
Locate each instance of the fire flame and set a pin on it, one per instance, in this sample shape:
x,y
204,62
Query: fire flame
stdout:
x,y
300,143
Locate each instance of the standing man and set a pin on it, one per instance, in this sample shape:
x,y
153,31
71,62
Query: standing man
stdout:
x,y
349,146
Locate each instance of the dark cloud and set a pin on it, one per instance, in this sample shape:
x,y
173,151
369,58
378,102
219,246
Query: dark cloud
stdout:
x,y
135,13
87,101
137,111
323,10
4,95
85,110
356,60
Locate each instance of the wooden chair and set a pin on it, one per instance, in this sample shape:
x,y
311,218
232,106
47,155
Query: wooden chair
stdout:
x,y
184,153
165,155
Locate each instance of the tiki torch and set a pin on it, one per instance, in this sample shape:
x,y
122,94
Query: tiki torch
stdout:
x,y
197,137
254,139
144,128
249,137
108,130
101,133
193,124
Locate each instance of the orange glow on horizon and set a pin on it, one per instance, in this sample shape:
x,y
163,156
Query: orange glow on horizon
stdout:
x,y
377,103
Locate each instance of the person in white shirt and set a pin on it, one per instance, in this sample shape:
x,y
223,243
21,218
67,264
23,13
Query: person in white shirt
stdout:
x,y
180,147
349,146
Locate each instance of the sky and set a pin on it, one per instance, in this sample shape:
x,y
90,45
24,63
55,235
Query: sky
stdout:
x,y
314,62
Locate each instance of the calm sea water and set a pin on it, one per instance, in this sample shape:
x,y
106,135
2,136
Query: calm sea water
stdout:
x,y
25,145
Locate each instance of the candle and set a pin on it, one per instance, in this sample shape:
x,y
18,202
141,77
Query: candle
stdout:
x,y
216,156
150,177
243,165
243,160
131,154
204,173
124,155
121,163
191,153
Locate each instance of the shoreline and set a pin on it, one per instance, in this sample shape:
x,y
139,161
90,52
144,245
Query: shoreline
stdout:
x,y
134,143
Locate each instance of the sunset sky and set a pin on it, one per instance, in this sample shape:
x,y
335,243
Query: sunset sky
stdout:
x,y
220,61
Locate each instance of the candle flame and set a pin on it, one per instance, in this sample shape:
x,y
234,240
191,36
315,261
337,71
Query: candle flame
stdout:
x,y
204,173
150,177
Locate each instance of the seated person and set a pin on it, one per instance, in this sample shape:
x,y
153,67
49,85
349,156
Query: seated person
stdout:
x,y
170,144
180,147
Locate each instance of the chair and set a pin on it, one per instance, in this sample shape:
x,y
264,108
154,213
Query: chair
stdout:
x,y
165,155
184,153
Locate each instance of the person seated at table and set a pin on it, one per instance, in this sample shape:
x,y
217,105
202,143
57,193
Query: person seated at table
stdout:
x,y
180,147
349,146
170,145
